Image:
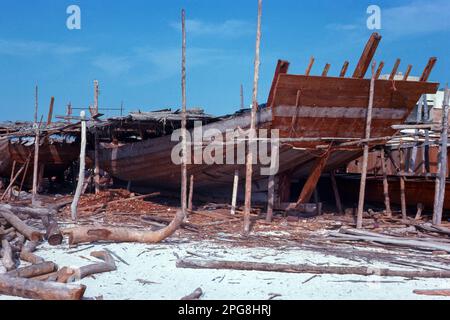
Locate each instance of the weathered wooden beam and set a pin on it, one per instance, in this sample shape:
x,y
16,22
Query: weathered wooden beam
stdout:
x,y
367,56
191,193
33,289
379,70
312,269
326,69
310,65
313,179
428,69
387,199
344,69
29,232
76,198
252,136
403,184
183,117
282,68
442,163
407,73
235,192
270,198
362,189
50,111
395,69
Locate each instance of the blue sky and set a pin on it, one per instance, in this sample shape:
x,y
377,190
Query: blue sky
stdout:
x,y
133,48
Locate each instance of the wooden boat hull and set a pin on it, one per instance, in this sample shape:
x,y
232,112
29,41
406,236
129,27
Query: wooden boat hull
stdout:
x,y
418,190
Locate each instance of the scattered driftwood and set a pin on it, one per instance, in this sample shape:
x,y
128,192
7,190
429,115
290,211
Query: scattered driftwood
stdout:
x,y
93,234
85,271
358,235
33,271
442,293
194,295
7,256
287,268
34,289
29,232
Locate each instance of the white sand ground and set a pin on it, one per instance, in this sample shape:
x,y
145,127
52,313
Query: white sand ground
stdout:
x,y
156,264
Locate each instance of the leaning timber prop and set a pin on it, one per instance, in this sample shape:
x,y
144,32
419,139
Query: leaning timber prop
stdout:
x,y
288,268
34,289
98,233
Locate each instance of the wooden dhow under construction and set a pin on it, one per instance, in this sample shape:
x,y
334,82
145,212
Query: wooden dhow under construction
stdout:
x,y
321,122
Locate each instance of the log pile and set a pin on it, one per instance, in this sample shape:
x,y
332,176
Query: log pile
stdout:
x,y
39,279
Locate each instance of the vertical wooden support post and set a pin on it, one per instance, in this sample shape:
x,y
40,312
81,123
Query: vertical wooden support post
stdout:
x,y
79,190
337,196
403,183
242,97
191,193
252,135
387,199
426,148
270,198
183,116
441,177
96,141
12,177
419,117
235,192
362,190
24,174
36,151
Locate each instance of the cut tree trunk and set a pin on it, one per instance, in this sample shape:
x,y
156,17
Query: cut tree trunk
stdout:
x,y
286,268
33,271
29,232
93,234
7,256
34,289
53,234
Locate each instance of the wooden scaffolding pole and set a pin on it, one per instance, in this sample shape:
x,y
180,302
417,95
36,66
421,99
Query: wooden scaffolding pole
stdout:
x,y
403,183
96,142
235,192
36,150
76,198
191,193
183,117
387,200
441,178
242,98
252,135
270,198
362,190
